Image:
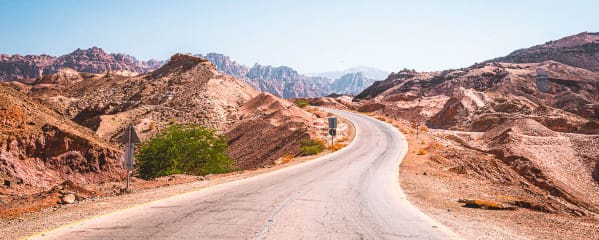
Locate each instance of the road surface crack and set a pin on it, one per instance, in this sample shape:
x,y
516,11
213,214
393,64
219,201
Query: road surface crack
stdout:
x,y
272,218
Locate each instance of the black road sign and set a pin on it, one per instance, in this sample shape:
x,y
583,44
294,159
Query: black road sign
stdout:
x,y
333,132
332,122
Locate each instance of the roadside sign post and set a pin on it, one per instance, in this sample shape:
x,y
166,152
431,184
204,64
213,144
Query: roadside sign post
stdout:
x,y
129,138
332,129
417,129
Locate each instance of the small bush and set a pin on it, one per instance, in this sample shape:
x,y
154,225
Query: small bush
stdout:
x,y
189,149
311,147
420,152
302,103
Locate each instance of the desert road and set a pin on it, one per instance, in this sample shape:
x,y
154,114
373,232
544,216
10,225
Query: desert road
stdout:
x,y
350,194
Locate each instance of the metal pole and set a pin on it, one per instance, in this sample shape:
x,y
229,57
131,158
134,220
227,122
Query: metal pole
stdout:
x,y
129,156
127,188
332,142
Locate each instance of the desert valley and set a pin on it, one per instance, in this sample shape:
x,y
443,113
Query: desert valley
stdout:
x,y
506,148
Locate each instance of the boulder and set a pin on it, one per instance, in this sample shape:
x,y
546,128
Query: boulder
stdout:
x,y
68,198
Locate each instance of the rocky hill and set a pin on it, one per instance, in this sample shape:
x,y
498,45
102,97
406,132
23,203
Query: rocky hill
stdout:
x,y
580,50
494,92
538,119
187,89
92,60
40,148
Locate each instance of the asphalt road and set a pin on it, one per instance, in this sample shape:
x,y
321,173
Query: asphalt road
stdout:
x,y
350,194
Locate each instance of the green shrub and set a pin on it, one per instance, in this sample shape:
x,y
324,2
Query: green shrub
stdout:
x,y
189,149
311,147
302,103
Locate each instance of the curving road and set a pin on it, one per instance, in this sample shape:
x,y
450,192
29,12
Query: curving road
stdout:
x,y
350,194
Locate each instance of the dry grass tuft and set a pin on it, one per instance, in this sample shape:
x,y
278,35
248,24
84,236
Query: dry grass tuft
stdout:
x,y
337,146
434,146
152,126
420,152
287,158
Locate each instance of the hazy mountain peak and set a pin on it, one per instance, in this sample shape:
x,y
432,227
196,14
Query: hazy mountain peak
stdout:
x,y
369,72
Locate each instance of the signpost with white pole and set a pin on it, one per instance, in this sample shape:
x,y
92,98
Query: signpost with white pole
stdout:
x,y
129,138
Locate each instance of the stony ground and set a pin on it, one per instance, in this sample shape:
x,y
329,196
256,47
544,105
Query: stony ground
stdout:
x,y
435,189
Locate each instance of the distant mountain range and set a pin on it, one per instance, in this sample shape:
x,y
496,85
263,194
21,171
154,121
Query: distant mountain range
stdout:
x,y
285,82
282,81
368,72
93,60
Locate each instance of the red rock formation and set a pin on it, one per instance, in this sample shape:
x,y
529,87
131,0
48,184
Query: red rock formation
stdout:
x,y
93,60
40,148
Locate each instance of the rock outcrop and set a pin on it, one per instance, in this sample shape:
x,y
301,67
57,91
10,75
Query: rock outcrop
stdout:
x,y
39,148
552,165
268,128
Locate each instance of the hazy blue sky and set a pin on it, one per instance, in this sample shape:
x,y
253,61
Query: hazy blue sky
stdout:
x,y
310,36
